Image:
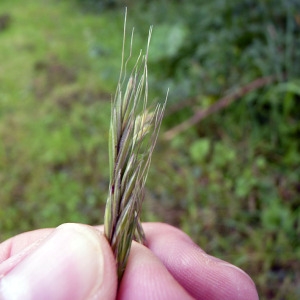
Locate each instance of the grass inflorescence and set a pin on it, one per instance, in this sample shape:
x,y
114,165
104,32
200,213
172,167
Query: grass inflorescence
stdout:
x,y
133,134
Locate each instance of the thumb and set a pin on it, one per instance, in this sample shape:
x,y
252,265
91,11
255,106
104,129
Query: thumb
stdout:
x,y
73,262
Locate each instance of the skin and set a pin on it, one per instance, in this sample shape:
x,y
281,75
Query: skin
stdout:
x,y
74,261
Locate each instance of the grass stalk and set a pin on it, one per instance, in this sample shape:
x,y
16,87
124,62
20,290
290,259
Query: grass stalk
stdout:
x,y
132,138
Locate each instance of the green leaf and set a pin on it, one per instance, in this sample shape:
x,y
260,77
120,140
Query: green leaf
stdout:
x,y
199,150
167,41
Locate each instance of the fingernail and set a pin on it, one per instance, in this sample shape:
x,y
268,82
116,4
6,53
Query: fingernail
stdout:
x,y
69,264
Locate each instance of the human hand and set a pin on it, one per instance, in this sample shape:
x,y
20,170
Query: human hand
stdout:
x,y
75,261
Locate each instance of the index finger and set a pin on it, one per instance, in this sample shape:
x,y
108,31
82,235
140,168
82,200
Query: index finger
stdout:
x,y
203,276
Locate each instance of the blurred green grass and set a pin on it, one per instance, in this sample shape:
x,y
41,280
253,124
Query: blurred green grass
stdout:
x,y
55,110
225,182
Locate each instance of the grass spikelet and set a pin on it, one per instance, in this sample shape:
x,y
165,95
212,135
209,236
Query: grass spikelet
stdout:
x,y
133,134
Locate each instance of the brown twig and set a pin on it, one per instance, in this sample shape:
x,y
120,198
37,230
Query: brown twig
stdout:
x,y
180,105
220,104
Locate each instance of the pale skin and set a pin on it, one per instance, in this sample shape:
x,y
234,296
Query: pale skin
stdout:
x,y
74,261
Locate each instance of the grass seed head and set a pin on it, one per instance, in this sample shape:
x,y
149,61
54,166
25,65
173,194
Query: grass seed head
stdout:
x,y
133,134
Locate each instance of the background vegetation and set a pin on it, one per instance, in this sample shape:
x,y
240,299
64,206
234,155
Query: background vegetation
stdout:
x,y
229,178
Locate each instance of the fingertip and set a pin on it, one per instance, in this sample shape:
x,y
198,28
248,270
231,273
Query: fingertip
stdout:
x,y
203,276
73,262
108,288
146,277
234,281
